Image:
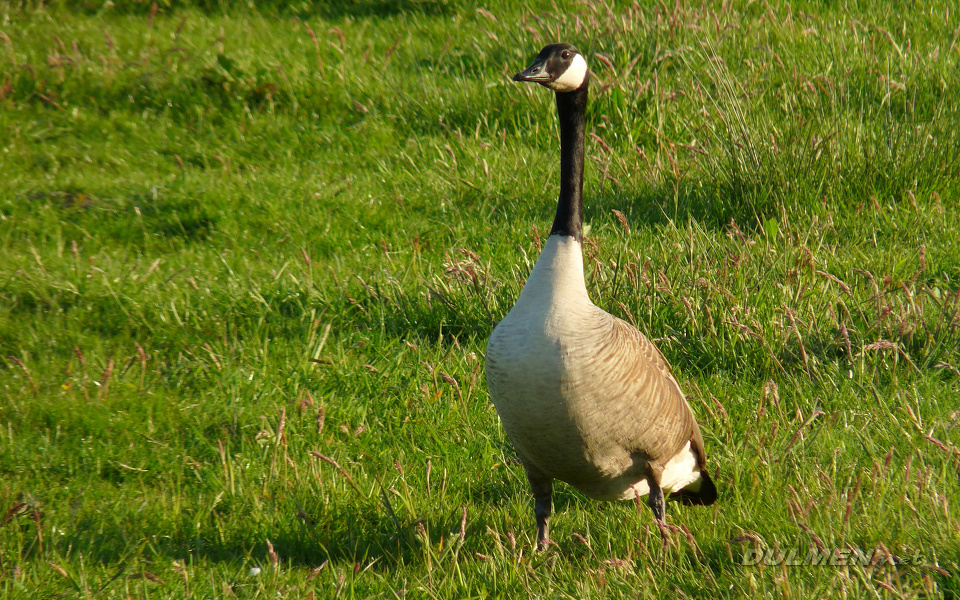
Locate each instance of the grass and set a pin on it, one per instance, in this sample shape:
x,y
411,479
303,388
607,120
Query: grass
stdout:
x,y
250,259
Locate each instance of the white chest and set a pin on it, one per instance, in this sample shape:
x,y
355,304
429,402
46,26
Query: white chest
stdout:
x,y
527,350
539,352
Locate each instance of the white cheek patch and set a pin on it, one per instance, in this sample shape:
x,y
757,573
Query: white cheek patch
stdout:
x,y
572,78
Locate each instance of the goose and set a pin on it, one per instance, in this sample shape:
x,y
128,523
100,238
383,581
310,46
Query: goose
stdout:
x,y
583,396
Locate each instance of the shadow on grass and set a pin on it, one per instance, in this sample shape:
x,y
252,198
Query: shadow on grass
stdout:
x,y
712,205
327,9
367,535
435,309
349,535
341,9
129,219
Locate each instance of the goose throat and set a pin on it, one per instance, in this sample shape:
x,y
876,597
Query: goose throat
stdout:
x,y
572,112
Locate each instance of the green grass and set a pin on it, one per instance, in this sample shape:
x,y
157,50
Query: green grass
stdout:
x,y
246,279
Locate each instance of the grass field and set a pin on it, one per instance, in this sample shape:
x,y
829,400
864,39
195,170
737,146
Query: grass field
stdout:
x,y
250,258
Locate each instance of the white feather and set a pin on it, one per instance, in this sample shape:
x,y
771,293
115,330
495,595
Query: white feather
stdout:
x,y
681,471
572,78
557,278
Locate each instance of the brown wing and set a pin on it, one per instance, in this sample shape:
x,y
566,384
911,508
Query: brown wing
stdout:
x,y
652,415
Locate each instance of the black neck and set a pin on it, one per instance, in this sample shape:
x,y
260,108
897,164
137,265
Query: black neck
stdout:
x,y
572,111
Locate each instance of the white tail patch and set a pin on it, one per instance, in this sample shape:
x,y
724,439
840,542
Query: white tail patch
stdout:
x,y
572,78
681,471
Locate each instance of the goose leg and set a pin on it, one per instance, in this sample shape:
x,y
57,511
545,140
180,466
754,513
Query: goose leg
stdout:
x,y
655,501
656,504
542,487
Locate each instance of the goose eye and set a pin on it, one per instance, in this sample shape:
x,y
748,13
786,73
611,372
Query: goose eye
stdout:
x,y
565,54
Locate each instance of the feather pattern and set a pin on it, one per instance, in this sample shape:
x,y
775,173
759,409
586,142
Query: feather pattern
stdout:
x,y
584,396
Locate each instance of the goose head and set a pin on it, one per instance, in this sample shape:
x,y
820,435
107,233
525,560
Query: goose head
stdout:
x,y
559,67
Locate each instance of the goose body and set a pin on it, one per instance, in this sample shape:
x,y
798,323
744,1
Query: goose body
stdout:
x,y
583,396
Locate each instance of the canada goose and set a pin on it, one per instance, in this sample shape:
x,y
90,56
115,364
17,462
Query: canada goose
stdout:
x,y
585,397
